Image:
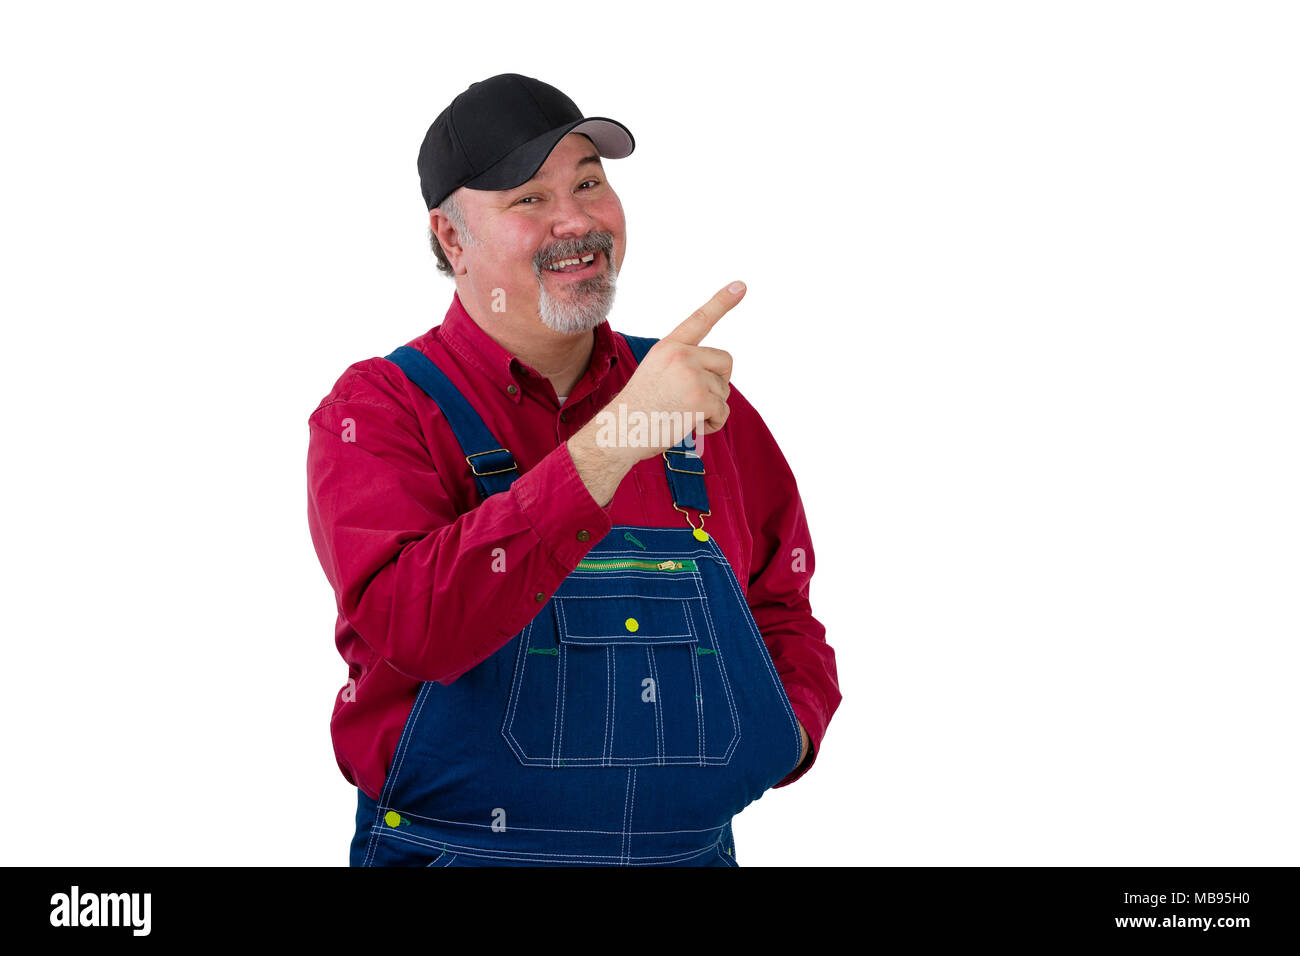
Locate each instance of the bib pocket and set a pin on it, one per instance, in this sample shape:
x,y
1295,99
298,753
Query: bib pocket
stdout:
x,y
623,671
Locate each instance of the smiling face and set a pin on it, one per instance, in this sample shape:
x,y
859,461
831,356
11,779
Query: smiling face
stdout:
x,y
526,238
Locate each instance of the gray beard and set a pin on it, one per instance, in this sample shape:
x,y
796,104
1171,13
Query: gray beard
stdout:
x,y
585,307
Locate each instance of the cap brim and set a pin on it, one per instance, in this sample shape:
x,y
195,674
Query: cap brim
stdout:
x,y
611,138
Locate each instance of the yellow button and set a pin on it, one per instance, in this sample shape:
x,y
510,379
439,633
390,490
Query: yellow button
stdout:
x,y
632,625
392,818
701,534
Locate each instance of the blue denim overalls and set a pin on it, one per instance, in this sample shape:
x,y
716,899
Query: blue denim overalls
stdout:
x,y
626,725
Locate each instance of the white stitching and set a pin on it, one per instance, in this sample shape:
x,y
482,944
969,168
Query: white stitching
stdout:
x,y
766,655
626,859
487,826
631,815
516,688
385,793
627,795
659,703
610,691
737,730
699,698
607,758
561,697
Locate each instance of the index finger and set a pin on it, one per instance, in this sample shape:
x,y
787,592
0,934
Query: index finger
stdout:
x,y
693,330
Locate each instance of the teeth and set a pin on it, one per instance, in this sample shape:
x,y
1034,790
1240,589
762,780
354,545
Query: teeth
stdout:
x,y
561,263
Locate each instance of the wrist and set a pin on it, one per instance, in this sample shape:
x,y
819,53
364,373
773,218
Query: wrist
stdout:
x,y
609,458
601,469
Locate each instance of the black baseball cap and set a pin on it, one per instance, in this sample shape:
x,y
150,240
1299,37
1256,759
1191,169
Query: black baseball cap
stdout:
x,y
498,133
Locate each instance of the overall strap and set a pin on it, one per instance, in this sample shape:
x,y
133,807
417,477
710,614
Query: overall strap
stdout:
x,y
493,467
682,464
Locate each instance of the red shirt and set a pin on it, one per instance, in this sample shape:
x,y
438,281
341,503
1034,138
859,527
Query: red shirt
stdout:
x,y
430,580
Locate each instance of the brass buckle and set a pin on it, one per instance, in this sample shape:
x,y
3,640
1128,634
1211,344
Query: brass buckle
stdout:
x,y
683,471
482,474
703,515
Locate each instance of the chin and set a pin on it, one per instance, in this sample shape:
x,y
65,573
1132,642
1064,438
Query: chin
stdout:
x,y
588,305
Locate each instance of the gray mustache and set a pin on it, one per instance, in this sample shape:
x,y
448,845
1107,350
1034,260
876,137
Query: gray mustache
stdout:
x,y
595,242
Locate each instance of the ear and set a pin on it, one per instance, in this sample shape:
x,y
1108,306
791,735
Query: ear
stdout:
x,y
447,237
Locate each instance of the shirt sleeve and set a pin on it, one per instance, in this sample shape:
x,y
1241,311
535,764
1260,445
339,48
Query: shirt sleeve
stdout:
x,y
781,571
431,591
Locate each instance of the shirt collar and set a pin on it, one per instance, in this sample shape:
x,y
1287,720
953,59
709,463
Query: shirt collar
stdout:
x,y
464,336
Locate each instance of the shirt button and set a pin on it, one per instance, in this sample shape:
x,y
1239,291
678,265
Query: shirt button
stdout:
x,y
562,418
539,596
584,534
513,390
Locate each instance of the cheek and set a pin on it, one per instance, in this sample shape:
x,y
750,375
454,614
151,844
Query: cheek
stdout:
x,y
614,223
617,222
514,257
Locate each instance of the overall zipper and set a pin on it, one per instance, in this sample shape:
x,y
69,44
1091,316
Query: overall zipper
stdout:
x,y
619,564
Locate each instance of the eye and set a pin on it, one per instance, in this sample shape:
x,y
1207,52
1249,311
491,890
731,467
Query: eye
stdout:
x,y
520,202
594,183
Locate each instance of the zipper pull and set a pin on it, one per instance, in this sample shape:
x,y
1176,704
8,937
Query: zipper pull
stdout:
x,y
670,565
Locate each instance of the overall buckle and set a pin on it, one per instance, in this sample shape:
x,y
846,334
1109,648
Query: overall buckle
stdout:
x,y
689,454
481,474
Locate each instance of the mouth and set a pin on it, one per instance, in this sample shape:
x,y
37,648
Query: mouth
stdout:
x,y
576,267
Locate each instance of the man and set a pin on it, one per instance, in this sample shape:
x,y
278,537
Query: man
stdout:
x,y
567,645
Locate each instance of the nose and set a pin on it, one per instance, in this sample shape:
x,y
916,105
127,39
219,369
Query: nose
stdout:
x,y
571,220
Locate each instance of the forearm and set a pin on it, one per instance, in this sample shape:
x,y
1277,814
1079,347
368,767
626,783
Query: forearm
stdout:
x,y
602,469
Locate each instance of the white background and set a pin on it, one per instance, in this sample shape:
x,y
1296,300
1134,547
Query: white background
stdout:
x,y
1022,313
